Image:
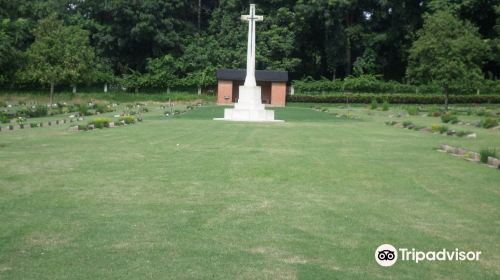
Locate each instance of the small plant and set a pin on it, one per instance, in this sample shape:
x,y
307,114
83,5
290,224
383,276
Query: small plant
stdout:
x,y
83,110
3,104
33,125
37,111
128,119
485,153
462,133
484,113
439,128
100,122
391,123
407,124
488,123
449,118
82,127
101,108
374,104
385,106
20,120
412,110
4,119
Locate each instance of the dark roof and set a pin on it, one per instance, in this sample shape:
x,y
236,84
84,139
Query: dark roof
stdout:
x,y
260,75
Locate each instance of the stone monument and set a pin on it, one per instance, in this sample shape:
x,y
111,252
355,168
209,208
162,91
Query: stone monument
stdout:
x,y
249,106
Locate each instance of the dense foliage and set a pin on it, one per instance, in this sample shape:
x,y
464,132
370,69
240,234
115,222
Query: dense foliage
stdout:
x,y
393,98
163,44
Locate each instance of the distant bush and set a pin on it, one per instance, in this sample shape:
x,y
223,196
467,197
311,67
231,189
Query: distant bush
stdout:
x,y
3,104
385,106
101,108
83,110
485,153
488,123
128,119
412,110
371,84
391,123
82,127
462,133
4,118
374,104
484,113
394,98
439,128
100,122
449,118
407,124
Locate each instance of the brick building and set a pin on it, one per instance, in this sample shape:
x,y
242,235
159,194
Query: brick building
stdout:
x,y
272,83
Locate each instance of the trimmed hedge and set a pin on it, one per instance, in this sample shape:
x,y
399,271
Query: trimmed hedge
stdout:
x,y
393,98
371,84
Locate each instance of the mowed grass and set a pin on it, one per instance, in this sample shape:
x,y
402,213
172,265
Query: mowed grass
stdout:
x,y
192,198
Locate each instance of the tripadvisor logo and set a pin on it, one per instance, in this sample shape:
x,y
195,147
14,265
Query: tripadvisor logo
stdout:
x,y
387,255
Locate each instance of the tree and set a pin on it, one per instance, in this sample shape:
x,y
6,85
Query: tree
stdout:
x,y
447,51
78,57
162,72
103,72
13,34
201,78
59,53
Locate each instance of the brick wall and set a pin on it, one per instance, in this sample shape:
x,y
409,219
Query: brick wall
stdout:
x,y
225,92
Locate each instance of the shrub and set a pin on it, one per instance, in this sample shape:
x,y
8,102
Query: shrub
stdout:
x,y
412,110
33,125
385,106
484,113
374,104
371,83
391,123
439,128
488,123
485,153
100,122
407,124
82,127
128,119
449,118
37,111
83,110
393,98
4,118
101,108
462,133
3,104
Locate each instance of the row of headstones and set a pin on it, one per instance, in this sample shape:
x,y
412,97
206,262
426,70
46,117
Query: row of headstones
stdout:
x,y
469,155
40,124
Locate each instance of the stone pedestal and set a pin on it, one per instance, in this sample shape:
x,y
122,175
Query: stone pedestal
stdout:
x,y
249,107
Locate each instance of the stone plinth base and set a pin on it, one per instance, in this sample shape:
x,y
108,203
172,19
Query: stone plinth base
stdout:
x,y
249,108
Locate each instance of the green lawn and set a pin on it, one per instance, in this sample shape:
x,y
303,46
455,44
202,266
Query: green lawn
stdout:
x,y
192,198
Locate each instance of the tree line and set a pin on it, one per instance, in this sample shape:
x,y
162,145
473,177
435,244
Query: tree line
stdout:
x,y
164,44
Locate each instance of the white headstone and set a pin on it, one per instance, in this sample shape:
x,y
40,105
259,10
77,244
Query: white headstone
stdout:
x,y
249,106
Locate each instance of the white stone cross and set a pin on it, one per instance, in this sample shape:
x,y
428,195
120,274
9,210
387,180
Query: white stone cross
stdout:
x,y
251,18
